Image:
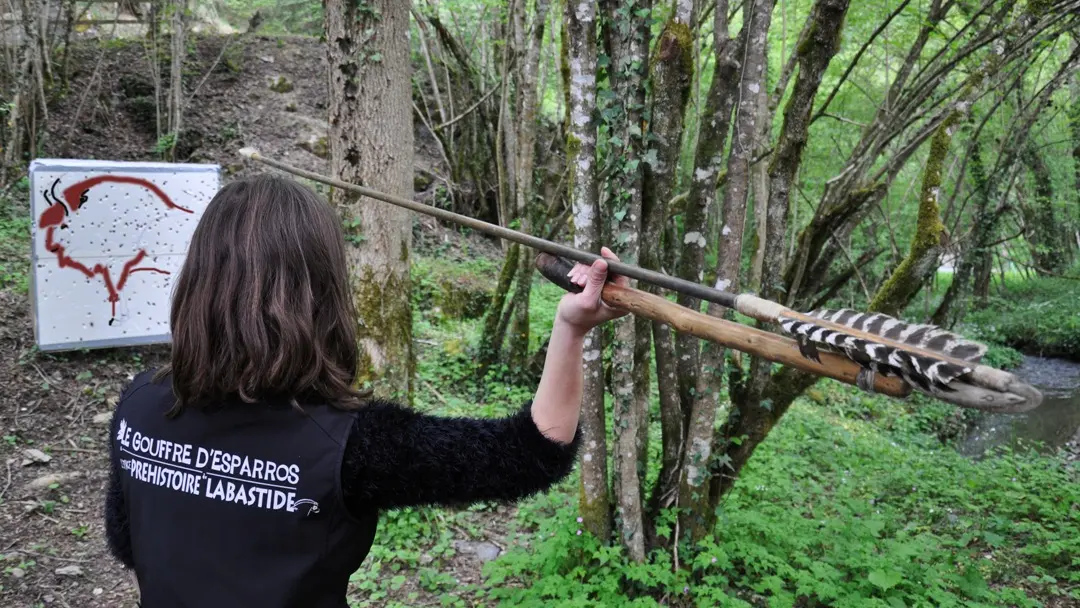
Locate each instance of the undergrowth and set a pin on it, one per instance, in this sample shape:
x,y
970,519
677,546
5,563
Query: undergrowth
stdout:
x,y
850,505
854,500
1038,316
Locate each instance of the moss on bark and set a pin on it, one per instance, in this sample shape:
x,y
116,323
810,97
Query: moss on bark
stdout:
x,y
384,330
926,245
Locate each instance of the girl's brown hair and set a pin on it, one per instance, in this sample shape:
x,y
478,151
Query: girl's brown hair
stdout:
x,y
262,307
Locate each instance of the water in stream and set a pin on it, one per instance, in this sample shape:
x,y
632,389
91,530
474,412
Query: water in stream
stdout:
x,y
1054,423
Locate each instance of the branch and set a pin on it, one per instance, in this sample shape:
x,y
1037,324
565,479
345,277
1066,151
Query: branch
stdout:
x,y
450,122
855,60
1039,270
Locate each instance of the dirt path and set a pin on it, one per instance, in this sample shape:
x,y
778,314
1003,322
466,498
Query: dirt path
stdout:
x,y
56,408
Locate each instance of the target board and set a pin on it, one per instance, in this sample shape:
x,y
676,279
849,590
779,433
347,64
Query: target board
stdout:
x,y
108,240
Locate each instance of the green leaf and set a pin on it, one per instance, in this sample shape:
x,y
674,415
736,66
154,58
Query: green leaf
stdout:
x,y
992,539
885,580
972,583
875,526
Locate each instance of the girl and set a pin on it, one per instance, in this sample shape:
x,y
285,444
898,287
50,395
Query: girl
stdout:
x,y
249,471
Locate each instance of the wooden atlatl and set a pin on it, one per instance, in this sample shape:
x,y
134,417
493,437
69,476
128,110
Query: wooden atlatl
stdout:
x,y
875,352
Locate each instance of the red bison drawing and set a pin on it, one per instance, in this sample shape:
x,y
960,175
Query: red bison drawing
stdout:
x,y
69,202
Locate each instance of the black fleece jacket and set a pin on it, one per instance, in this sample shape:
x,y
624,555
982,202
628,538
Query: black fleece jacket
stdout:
x,y
397,457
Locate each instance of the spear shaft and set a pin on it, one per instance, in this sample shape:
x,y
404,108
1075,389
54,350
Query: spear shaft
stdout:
x,y
659,279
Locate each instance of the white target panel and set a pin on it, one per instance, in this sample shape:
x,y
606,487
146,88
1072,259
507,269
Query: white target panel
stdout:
x,y
108,241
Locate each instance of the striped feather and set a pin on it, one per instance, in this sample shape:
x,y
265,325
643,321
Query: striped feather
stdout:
x,y
924,373
926,337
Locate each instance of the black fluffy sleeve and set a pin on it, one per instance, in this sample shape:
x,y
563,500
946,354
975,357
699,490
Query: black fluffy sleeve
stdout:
x,y
398,457
117,531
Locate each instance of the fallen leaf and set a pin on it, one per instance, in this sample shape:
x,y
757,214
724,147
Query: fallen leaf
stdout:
x,y
69,571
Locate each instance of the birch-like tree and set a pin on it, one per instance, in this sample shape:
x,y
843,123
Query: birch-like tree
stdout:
x,y
580,63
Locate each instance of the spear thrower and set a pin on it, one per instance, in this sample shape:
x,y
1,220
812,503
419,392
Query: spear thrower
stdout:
x,y
873,351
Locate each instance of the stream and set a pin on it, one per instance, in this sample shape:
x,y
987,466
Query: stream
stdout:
x,y
1054,423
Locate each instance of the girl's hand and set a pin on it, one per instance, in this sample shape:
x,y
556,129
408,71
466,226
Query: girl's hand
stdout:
x,y
585,310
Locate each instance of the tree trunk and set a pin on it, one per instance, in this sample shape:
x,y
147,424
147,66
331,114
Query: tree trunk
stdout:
x,y
763,399
696,516
626,38
760,188
672,71
715,123
708,159
954,304
519,331
491,339
1049,251
1074,125
525,140
579,70
371,144
176,76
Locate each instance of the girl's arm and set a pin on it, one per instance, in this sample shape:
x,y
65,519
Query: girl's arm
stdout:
x,y
558,398
398,457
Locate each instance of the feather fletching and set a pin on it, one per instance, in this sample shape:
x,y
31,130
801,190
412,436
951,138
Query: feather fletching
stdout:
x,y
926,337
923,372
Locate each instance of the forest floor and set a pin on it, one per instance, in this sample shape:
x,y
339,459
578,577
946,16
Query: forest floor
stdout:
x,y
853,500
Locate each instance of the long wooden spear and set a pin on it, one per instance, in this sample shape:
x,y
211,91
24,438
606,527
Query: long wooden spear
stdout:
x,y
873,351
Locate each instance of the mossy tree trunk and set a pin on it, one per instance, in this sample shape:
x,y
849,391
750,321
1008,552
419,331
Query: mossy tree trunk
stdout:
x,y
978,254
491,338
929,240
672,70
675,417
626,41
760,401
1074,126
371,144
579,79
